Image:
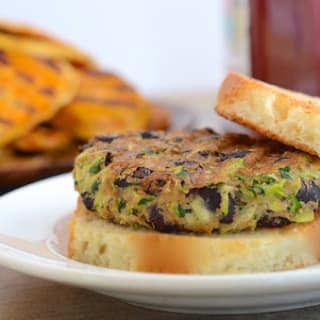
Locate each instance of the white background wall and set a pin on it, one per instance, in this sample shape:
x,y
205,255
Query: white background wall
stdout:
x,y
162,46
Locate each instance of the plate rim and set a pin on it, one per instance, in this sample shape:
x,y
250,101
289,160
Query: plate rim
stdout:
x,y
84,275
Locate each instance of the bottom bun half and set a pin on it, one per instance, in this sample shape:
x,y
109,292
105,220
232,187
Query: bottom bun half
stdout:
x,y
96,241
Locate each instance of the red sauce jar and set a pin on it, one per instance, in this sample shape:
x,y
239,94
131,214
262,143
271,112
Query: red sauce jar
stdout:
x,y
285,43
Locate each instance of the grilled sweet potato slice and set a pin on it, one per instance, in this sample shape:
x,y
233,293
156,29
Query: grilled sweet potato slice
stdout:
x,y
31,91
104,104
23,38
43,139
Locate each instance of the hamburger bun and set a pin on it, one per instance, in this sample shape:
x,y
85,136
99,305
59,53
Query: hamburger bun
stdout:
x,y
96,241
283,115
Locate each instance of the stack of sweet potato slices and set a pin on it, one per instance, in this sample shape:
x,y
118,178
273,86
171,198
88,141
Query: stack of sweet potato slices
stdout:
x,y
54,97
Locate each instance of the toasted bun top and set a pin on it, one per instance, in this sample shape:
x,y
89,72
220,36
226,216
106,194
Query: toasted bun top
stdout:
x,y
289,117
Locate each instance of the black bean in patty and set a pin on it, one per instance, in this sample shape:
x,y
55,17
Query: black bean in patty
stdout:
x,y
155,187
160,182
310,192
149,135
156,220
108,158
231,210
203,153
141,172
272,222
211,197
87,200
122,183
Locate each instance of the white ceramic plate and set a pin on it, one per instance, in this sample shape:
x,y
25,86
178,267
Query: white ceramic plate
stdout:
x,y
33,234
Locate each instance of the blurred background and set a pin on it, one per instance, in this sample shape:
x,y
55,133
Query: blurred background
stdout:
x,y
182,48
176,52
160,46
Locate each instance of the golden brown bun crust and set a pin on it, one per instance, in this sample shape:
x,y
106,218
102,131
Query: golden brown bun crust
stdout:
x,y
289,117
96,241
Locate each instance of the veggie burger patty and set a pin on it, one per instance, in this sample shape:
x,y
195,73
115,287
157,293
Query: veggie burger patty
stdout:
x,y
197,181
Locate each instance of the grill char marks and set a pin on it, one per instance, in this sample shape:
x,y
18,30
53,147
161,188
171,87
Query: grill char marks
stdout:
x,y
3,58
104,102
26,107
6,122
27,78
98,73
50,63
46,91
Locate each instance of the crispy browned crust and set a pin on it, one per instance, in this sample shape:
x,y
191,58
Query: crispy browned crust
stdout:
x,y
237,90
290,247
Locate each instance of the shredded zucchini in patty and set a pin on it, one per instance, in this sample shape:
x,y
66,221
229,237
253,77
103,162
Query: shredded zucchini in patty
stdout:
x,y
197,181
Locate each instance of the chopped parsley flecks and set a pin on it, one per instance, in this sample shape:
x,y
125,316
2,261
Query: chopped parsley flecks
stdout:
x,y
183,173
144,201
121,205
294,204
256,190
95,168
267,179
95,186
181,212
284,172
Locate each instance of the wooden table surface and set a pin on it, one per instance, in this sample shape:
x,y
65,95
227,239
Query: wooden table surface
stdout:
x,y
26,298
